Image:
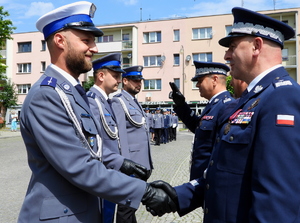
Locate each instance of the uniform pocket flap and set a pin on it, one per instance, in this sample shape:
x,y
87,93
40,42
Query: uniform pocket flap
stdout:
x,y
56,207
89,125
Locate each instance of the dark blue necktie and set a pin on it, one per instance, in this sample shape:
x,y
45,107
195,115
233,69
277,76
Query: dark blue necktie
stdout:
x,y
82,92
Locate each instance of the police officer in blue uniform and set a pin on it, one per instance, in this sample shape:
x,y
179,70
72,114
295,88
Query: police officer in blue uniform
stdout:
x,y
211,81
170,125
165,130
133,131
107,77
253,171
61,133
158,125
174,125
149,118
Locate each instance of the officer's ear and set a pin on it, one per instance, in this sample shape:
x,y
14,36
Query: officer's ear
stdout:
x,y
100,75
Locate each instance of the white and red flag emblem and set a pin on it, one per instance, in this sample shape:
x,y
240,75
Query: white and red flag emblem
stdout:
x,y
285,120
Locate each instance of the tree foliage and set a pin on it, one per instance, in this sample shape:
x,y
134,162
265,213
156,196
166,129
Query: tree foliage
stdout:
x,y
8,97
87,85
228,85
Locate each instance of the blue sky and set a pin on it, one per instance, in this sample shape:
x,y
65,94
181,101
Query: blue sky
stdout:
x,y
24,13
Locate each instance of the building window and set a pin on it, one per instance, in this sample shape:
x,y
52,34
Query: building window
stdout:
x,y
152,84
176,59
43,66
204,57
43,45
24,68
125,36
24,47
152,61
285,54
23,88
202,33
228,29
177,82
176,35
126,62
152,37
105,39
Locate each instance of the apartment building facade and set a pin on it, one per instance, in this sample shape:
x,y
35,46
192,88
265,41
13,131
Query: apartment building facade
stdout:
x,y
166,49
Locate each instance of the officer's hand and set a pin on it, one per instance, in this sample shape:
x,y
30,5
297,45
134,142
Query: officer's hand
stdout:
x,y
167,188
131,168
176,95
157,201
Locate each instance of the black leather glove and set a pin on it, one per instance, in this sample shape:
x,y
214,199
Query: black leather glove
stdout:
x,y
176,95
132,168
167,188
157,201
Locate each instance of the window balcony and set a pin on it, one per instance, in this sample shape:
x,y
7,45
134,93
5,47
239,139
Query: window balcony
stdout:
x,y
116,46
289,60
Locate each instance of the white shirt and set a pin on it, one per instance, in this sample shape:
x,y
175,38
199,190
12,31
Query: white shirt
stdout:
x,y
261,76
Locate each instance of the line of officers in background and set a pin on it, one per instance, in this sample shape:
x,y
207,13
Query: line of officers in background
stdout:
x,y
163,125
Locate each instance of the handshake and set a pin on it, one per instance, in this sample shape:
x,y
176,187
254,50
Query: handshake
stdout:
x,y
160,198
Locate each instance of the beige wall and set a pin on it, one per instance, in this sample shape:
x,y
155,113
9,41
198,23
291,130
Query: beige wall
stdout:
x,y
167,47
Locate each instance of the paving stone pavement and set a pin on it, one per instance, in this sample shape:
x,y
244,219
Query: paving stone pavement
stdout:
x,y
171,163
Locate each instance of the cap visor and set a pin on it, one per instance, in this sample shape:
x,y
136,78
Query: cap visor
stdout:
x,y
93,29
227,40
137,77
116,69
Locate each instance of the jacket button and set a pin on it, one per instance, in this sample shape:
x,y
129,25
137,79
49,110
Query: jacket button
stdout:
x,y
207,186
211,163
128,202
65,210
206,210
231,138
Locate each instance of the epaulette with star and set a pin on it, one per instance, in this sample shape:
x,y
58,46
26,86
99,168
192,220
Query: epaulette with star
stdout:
x,y
281,83
227,100
49,81
91,94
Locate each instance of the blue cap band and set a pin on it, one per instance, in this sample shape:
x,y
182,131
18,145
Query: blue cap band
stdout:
x,y
58,24
97,66
132,73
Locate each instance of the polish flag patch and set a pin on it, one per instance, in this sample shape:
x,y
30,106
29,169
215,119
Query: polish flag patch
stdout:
x,y
285,120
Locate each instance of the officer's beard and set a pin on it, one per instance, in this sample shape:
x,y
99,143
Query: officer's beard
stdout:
x,y
76,62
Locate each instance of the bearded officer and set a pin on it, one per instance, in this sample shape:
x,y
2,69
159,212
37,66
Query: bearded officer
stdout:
x,y
61,134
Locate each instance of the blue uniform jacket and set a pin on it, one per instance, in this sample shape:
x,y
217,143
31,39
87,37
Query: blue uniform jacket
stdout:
x,y
134,140
204,127
253,172
111,153
158,121
166,121
66,182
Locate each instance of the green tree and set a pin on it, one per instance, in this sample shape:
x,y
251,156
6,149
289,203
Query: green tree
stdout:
x,y
228,85
8,96
87,85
